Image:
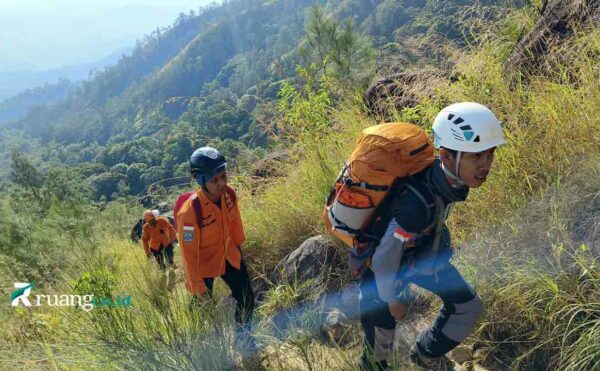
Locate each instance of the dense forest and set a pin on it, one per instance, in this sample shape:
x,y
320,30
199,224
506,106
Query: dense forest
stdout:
x,y
213,77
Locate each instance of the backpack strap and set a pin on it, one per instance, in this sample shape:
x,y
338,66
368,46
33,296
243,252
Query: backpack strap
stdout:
x,y
332,190
356,232
420,196
399,186
365,185
436,217
439,220
197,206
197,209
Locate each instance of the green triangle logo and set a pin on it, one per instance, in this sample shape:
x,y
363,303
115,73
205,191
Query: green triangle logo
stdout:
x,y
18,292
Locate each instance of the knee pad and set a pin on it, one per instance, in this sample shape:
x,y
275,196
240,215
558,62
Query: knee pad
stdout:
x,y
463,318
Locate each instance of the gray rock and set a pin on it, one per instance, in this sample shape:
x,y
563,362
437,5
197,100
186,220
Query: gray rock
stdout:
x,y
335,318
335,326
311,261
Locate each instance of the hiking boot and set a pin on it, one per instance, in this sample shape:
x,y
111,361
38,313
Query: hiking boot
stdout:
x,y
429,363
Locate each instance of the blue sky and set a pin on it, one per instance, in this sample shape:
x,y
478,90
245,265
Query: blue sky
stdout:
x,y
46,34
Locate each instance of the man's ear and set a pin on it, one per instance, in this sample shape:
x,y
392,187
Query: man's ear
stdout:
x,y
447,158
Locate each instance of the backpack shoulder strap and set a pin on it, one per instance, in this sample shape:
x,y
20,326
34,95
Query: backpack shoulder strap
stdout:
x,y
427,205
439,221
196,205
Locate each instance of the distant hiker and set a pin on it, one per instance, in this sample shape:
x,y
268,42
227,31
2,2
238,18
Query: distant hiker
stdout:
x,y
210,231
404,240
136,231
158,236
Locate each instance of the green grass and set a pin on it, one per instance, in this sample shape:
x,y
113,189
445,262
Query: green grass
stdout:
x,y
540,200
289,210
529,237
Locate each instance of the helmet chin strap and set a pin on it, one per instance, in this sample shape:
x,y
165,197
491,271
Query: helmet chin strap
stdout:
x,y
202,184
459,182
205,188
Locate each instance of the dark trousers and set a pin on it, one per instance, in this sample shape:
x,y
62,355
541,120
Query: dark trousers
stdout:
x,y
238,282
460,312
160,256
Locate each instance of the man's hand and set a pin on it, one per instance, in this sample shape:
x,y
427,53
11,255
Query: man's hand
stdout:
x,y
398,310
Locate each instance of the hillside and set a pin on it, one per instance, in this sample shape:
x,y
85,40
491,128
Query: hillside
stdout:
x,y
527,240
217,74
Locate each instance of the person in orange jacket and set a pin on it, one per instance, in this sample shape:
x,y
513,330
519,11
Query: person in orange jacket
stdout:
x,y
158,236
210,232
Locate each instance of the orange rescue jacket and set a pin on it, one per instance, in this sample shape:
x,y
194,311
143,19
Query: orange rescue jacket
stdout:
x,y
159,235
206,249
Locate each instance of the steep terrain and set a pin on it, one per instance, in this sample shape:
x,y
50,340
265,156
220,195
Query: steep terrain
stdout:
x,y
527,240
214,77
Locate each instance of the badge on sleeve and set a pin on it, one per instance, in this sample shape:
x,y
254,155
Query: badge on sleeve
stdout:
x,y
403,235
188,233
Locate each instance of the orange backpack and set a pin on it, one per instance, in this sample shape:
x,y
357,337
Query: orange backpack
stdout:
x,y
384,154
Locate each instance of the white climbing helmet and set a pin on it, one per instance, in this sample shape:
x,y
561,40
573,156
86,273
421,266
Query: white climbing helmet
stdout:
x,y
467,127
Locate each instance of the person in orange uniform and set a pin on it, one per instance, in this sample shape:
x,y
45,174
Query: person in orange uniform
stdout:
x,y
210,232
158,236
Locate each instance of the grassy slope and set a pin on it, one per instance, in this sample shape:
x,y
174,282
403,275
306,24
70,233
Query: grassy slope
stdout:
x,y
530,232
529,237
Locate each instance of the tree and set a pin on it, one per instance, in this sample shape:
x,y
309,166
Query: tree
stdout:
x,y
134,174
179,146
389,16
319,37
336,48
25,175
64,184
105,185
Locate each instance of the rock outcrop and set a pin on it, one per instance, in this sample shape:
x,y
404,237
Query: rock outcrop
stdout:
x,y
390,95
558,20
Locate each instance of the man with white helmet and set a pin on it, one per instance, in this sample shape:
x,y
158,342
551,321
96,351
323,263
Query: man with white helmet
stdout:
x,y
413,243
467,129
